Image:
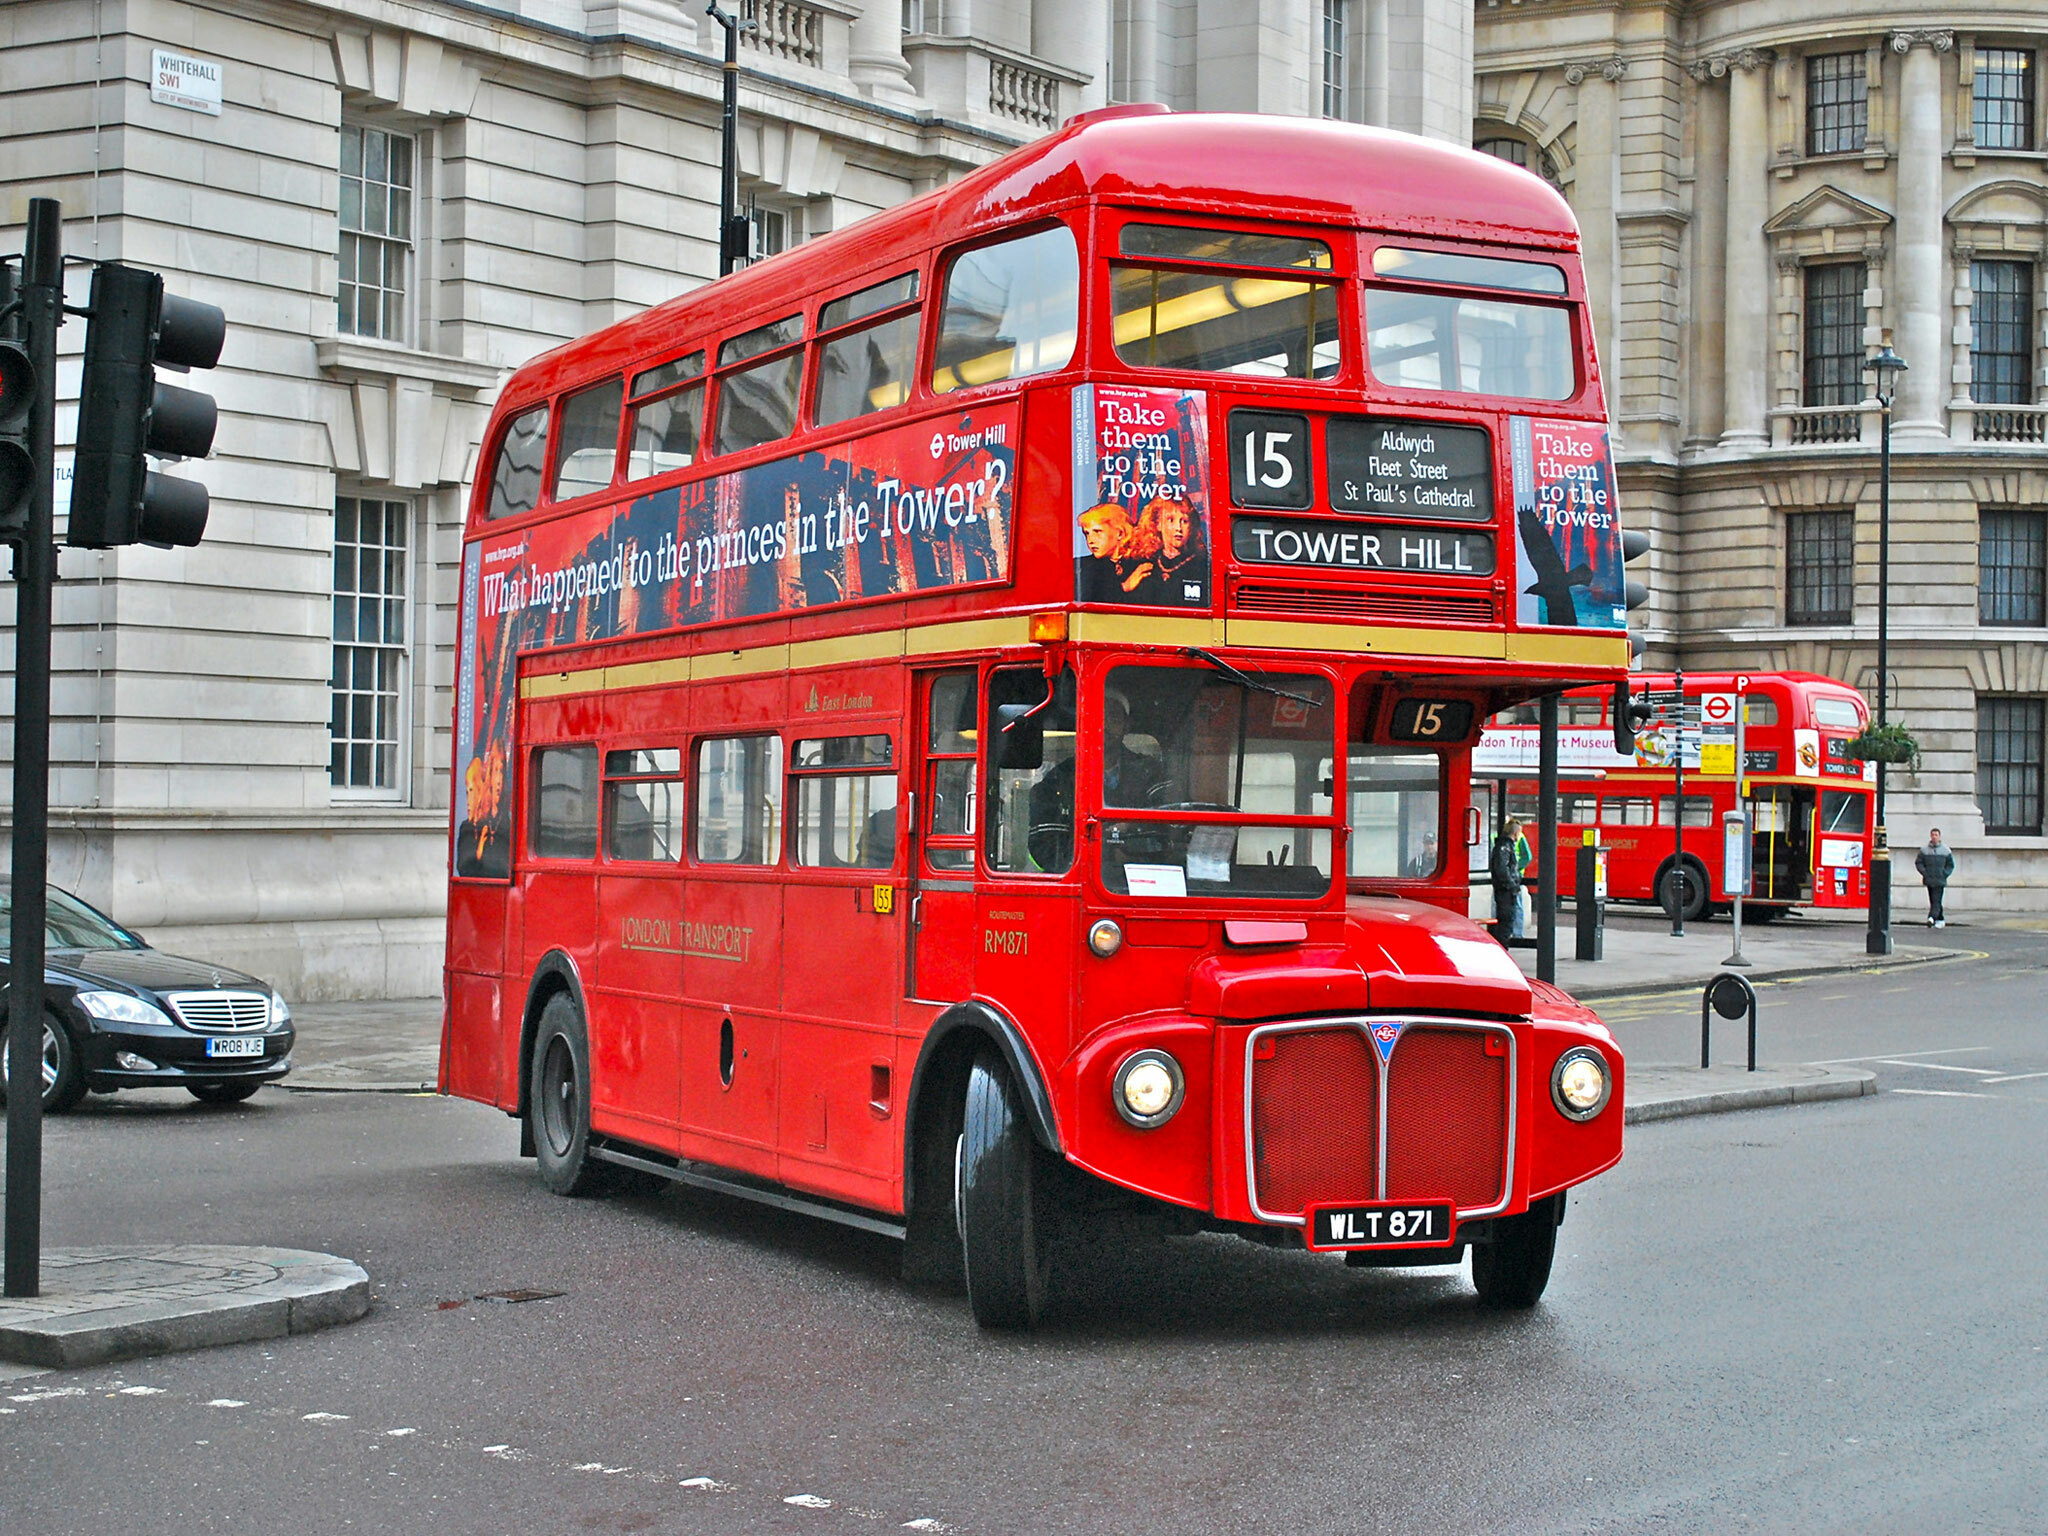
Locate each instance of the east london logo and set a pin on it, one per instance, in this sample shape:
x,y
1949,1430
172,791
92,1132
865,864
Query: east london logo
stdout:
x,y
1384,1036
838,701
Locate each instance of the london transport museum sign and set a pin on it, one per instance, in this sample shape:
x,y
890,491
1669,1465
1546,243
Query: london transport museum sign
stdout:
x,y
927,507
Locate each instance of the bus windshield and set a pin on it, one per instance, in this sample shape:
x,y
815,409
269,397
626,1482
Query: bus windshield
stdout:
x,y
1214,787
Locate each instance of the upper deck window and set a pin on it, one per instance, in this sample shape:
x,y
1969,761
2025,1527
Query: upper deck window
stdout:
x,y
869,368
668,417
1838,714
589,448
1214,322
1011,310
515,478
1467,271
1469,343
758,404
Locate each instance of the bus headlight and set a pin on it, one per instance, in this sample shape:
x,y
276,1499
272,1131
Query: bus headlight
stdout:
x,y
1580,1083
1105,937
1148,1089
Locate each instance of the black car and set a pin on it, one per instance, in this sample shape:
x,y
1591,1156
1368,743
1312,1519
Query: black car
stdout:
x,y
118,1014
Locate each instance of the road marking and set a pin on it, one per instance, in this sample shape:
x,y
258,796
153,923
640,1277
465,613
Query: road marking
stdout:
x,y
1937,1066
1844,1061
2016,1077
1942,1093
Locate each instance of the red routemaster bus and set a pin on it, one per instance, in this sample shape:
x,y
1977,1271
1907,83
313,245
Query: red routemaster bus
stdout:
x,y
1809,802
959,726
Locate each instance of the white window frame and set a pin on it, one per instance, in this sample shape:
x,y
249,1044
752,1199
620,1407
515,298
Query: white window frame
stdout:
x,y
399,790
415,316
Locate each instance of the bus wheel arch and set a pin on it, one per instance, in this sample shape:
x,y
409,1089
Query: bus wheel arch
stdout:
x,y
556,974
1699,888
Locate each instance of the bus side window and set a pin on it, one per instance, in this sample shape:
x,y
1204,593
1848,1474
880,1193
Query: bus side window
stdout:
x,y
1011,310
668,416
1395,811
564,824
643,805
950,772
1030,773
515,478
1760,709
587,455
1699,811
758,403
845,793
1577,810
1626,811
739,800
866,370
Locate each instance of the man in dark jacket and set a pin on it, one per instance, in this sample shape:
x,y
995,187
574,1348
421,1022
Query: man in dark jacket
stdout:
x,y
1504,868
1935,864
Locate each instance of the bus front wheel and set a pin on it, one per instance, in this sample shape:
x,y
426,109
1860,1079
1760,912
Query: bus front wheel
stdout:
x,y
997,1180
1512,1270
1696,891
558,1101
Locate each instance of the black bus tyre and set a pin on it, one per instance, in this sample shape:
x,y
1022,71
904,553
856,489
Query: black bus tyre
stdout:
x,y
1696,892
558,1101
222,1093
1005,1258
63,1073
1512,1270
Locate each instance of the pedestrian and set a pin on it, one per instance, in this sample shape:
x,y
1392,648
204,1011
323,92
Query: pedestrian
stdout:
x,y
1504,868
1936,864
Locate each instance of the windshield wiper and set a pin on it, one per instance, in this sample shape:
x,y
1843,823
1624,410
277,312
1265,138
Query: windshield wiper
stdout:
x,y
1243,677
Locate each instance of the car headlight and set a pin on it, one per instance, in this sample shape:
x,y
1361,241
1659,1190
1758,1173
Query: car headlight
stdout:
x,y
1148,1089
280,1011
122,1008
1580,1083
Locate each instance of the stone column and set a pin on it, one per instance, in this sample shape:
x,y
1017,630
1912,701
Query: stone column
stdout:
x,y
1075,35
1375,88
1746,311
1703,367
876,64
1141,48
1922,293
1595,199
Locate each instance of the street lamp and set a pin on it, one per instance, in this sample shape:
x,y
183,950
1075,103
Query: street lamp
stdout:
x,y
1887,365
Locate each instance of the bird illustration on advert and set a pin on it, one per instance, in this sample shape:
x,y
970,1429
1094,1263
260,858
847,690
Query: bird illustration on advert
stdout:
x,y
1553,584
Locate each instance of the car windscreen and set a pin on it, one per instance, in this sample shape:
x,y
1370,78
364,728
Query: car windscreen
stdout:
x,y
68,924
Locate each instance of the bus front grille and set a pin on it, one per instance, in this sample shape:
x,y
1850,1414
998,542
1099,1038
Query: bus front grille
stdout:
x,y
1447,1117
1315,1120
1307,601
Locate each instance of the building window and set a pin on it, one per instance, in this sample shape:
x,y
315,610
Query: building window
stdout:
x,y
2012,567
1820,567
913,17
370,640
2009,766
767,231
1837,104
1336,38
376,233
2001,317
1834,334
1520,152
2002,103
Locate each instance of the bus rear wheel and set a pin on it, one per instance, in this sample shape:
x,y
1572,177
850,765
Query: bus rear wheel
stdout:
x,y
997,1177
1512,1270
558,1101
1696,891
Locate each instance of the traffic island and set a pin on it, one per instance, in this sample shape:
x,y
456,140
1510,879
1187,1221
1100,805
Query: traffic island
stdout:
x,y
118,1303
1666,1093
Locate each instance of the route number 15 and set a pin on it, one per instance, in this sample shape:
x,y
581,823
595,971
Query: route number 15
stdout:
x,y
1269,461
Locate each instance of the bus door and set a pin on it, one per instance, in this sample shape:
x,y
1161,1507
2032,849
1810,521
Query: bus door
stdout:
x,y
1781,818
941,927
1841,875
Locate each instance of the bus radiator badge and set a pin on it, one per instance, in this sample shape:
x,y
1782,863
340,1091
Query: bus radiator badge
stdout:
x,y
1384,1036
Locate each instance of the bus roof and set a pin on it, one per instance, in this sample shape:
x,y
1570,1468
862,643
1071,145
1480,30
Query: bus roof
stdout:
x,y
1305,170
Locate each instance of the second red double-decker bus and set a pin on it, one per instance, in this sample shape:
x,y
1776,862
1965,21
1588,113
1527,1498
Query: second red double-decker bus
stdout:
x,y
1808,799
964,728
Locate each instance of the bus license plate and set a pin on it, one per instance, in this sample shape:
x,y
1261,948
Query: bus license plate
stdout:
x,y
1404,1224
234,1047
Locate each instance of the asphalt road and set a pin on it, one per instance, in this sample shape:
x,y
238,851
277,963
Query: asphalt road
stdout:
x,y
1828,1318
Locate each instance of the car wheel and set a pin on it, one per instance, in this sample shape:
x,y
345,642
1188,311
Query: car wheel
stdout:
x,y
63,1073
1512,1270
222,1093
558,1101
1007,1262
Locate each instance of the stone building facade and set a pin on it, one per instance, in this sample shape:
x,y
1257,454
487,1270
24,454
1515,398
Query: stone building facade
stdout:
x,y
1767,191
396,202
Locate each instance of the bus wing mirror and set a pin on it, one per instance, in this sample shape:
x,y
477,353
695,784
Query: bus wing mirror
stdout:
x,y
1020,735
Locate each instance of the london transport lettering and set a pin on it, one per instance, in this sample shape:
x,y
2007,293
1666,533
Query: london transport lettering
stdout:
x,y
1567,537
924,508
1141,496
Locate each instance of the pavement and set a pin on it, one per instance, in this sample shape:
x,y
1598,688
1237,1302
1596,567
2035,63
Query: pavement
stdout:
x,y
108,1303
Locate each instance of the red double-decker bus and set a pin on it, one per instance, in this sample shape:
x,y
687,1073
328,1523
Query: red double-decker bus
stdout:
x,y
964,728
1809,802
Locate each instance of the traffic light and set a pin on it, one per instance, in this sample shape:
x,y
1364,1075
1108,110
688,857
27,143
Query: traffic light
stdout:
x,y
124,414
17,407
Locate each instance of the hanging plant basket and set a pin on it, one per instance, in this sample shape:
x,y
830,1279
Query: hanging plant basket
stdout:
x,y
1886,744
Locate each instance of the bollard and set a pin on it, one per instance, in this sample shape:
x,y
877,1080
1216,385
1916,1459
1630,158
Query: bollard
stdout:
x,y
1728,995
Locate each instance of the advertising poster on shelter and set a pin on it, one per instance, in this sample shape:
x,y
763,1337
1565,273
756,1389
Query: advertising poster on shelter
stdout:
x,y
1567,535
924,508
1141,497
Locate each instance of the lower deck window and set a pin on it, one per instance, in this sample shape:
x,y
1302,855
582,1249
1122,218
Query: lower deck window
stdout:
x,y
845,790
564,817
1396,811
739,800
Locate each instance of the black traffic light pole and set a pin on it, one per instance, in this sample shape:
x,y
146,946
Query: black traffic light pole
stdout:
x,y
35,560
